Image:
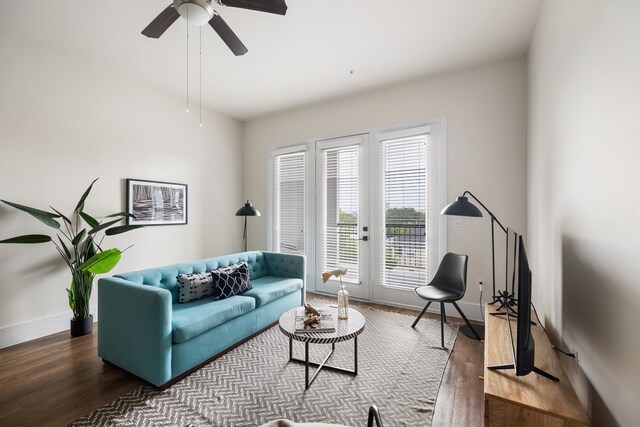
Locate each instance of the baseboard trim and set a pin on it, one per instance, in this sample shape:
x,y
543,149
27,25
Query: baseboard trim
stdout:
x,y
473,311
38,328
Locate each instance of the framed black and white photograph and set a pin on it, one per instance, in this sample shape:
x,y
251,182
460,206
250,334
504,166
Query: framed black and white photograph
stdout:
x,y
156,203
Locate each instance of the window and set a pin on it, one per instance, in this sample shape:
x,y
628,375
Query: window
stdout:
x,y
404,163
288,203
408,193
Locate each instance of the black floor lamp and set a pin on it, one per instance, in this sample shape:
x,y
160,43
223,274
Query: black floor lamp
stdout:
x,y
245,211
462,207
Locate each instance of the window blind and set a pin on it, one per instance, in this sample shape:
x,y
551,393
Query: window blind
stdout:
x,y
289,203
405,261
339,227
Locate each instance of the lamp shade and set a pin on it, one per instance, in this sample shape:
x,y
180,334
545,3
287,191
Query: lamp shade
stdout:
x,y
248,210
461,207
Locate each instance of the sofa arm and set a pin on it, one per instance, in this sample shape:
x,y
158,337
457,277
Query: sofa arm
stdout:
x,y
134,329
288,265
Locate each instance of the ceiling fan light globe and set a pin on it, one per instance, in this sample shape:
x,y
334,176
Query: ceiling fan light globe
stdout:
x,y
195,12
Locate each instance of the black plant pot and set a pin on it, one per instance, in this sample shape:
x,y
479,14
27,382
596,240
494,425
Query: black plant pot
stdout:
x,y
82,327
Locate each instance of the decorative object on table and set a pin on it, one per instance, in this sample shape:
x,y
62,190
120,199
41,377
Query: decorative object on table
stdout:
x,y
343,295
462,207
309,319
309,309
261,362
448,285
156,203
82,252
245,211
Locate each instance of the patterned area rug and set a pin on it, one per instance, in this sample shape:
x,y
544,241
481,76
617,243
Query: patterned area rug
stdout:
x,y
399,370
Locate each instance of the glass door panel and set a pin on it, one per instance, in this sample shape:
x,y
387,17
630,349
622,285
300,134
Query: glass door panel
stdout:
x,y
342,214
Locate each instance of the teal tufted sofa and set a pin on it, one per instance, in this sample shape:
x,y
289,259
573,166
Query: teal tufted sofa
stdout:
x,y
144,330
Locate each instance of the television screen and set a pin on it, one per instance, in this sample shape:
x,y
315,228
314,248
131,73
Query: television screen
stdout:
x,y
519,276
525,345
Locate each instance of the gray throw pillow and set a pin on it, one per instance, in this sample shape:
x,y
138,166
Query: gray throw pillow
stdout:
x,y
194,286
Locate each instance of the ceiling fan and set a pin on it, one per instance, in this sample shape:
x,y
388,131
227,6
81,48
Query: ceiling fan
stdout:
x,y
199,12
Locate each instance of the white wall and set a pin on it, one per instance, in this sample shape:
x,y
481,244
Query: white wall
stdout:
x,y
64,123
485,109
584,211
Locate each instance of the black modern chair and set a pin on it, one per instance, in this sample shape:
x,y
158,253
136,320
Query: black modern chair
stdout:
x,y
448,285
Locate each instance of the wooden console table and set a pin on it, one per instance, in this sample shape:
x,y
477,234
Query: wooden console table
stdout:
x,y
532,400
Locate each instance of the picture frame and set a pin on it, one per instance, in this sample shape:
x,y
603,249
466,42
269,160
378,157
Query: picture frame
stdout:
x,y
156,202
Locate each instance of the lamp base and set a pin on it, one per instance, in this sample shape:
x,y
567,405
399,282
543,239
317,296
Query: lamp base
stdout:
x,y
467,332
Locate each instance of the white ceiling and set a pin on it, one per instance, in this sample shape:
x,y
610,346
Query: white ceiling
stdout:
x,y
303,57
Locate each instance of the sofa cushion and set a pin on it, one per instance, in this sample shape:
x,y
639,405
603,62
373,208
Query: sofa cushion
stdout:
x,y
269,288
195,317
230,281
194,286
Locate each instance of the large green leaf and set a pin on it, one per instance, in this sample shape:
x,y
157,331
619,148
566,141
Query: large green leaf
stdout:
x,y
102,262
67,220
79,237
103,226
80,204
42,216
91,248
72,300
121,229
89,219
125,214
28,238
66,250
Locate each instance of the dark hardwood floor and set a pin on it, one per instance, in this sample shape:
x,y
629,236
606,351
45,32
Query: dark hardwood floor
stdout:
x,y
54,380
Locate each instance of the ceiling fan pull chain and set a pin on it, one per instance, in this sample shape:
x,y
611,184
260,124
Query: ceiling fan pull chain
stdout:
x,y
200,101
187,60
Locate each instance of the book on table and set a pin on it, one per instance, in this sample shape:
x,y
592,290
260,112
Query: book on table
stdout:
x,y
326,323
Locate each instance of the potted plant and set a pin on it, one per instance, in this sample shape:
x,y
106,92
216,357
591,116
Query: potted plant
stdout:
x,y
78,240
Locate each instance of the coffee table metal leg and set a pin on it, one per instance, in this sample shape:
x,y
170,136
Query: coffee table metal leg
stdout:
x,y
290,349
306,366
355,355
323,365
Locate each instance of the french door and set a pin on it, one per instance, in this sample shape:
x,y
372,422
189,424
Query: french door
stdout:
x,y
369,203
342,214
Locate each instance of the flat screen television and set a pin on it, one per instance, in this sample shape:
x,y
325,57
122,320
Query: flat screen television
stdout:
x,y
525,344
519,277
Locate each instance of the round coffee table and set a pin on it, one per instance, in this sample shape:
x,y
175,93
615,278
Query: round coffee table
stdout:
x,y
345,330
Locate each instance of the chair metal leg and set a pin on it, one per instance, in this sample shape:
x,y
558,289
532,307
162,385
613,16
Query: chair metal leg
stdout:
x,y
466,321
444,311
374,415
424,310
442,323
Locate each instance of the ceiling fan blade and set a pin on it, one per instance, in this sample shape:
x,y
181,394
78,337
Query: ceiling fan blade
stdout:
x,y
227,35
160,24
278,7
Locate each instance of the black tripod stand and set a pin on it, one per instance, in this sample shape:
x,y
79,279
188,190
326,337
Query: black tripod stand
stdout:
x,y
462,207
505,298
